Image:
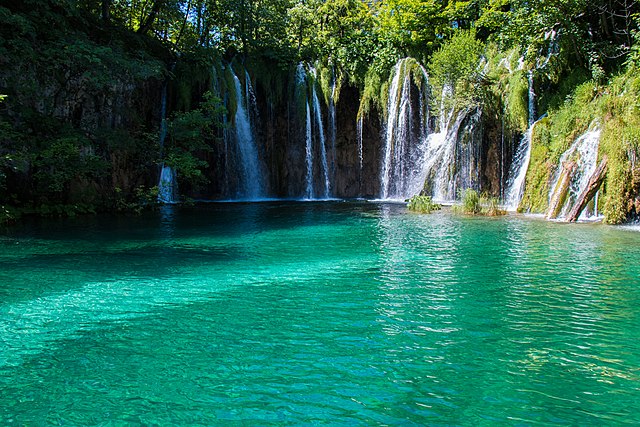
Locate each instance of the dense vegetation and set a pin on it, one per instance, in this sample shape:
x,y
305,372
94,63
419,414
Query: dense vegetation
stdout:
x,y
81,81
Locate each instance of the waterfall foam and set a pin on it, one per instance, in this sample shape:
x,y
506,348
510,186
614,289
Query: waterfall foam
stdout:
x,y
441,149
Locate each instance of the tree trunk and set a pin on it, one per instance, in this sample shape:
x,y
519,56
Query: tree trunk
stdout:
x,y
145,26
560,191
106,10
592,188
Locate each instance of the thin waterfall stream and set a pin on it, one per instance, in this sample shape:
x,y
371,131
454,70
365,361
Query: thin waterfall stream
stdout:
x,y
167,183
522,157
251,177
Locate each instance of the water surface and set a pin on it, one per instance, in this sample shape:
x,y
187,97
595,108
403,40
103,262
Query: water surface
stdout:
x,y
318,313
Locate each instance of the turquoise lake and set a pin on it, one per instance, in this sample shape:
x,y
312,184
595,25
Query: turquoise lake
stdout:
x,y
336,313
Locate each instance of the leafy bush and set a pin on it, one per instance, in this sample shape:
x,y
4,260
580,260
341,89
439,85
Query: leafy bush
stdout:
x,y
456,65
423,204
472,203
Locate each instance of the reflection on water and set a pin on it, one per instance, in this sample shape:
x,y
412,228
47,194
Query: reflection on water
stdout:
x,y
304,313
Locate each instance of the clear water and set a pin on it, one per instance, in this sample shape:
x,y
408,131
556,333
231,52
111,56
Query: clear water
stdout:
x,y
318,313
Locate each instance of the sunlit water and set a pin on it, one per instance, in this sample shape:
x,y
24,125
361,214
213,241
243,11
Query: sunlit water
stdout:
x,y
318,313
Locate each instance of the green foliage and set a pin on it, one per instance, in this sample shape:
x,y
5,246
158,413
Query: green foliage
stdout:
x,y
190,133
63,160
472,203
142,198
413,27
422,204
491,206
456,66
456,62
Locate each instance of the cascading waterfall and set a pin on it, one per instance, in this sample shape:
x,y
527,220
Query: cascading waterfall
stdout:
x,y
313,117
359,128
532,99
446,161
406,142
468,153
584,152
251,180
167,184
323,149
333,127
441,152
301,83
522,157
309,156
518,172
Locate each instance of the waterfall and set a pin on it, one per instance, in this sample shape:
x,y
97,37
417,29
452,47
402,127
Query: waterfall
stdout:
x,y
532,99
522,157
251,181
445,156
333,127
518,172
359,128
405,137
167,187
584,152
309,157
441,152
307,88
323,149
167,184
